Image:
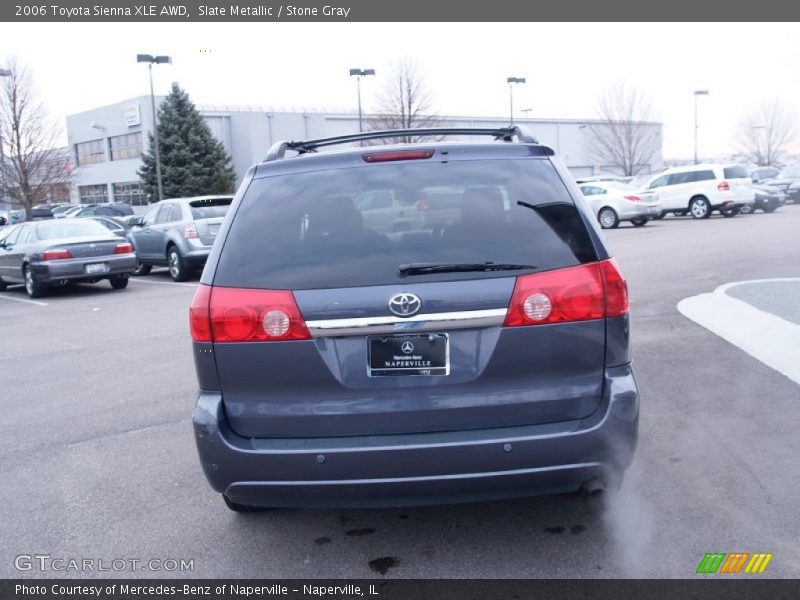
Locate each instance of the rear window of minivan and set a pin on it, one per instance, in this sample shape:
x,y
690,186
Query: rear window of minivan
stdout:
x,y
355,226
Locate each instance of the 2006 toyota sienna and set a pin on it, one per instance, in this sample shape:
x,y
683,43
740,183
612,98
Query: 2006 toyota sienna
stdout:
x,y
480,354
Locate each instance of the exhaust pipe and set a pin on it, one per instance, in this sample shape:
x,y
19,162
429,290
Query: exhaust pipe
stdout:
x,y
594,487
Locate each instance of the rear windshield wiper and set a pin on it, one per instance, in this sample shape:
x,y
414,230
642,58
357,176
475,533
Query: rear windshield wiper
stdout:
x,y
421,268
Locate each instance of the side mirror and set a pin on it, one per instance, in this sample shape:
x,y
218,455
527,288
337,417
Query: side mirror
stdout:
x,y
136,221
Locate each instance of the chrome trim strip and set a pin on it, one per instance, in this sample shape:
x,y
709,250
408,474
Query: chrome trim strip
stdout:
x,y
466,319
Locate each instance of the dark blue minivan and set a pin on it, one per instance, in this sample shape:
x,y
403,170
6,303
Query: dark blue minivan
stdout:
x,y
412,323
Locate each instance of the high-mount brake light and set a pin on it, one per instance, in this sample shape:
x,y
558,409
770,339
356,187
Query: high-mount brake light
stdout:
x,y
373,157
581,293
221,315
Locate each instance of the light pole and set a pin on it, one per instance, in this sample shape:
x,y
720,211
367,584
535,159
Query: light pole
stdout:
x,y
3,73
525,111
150,60
511,81
358,74
696,94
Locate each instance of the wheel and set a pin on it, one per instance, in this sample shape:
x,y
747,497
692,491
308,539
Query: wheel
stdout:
x,y
119,283
608,218
177,269
241,507
729,212
659,216
639,221
34,287
700,208
746,209
141,269
770,208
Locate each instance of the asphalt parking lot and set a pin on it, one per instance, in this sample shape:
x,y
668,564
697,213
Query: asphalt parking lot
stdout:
x,y
97,456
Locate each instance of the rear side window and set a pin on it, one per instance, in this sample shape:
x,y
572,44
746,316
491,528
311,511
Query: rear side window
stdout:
x,y
209,208
735,173
355,226
704,175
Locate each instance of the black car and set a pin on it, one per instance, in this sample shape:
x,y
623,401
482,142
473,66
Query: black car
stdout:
x,y
788,181
768,199
105,210
43,211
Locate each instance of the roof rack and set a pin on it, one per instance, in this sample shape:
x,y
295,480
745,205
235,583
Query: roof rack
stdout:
x,y
506,134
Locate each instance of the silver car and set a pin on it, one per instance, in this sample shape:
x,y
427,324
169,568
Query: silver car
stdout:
x,y
178,233
613,202
45,253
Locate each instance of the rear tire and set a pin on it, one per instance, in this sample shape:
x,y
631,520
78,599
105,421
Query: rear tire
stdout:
x,y
177,268
770,209
141,269
746,209
608,218
700,208
659,216
241,508
34,287
640,221
119,283
729,212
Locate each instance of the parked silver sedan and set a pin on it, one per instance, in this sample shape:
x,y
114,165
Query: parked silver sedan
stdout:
x,y
614,202
45,253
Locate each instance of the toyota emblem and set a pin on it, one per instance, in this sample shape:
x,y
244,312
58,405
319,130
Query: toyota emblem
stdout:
x,y
405,304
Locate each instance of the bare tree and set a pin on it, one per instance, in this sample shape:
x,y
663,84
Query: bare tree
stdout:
x,y
624,136
404,102
767,132
32,169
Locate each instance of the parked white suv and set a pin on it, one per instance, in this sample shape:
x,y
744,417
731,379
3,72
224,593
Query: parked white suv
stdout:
x,y
700,189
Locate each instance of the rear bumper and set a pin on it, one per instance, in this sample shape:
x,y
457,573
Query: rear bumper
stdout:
x,y
75,269
430,468
641,210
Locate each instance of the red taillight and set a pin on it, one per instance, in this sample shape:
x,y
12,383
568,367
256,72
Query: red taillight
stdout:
x,y
124,248
56,254
423,205
372,157
723,186
241,315
616,287
632,198
190,231
199,316
591,291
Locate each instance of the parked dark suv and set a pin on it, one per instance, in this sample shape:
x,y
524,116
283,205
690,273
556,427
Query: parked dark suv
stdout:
x,y
478,355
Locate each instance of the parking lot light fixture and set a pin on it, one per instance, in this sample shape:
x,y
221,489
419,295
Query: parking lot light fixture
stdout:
x,y
697,93
511,81
358,74
158,60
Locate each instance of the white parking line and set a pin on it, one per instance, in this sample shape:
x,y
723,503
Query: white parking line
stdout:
x,y
138,280
26,300
767,337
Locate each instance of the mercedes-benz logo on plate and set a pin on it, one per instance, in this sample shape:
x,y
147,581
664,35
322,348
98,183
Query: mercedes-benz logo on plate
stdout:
x,y
407,347
405,304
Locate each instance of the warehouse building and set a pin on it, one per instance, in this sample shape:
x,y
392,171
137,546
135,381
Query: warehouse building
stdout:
x,y
107,142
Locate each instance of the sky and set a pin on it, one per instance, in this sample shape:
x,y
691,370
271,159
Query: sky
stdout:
x,y
79,66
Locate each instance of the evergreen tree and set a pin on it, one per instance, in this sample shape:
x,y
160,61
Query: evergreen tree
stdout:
x,y
193,162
